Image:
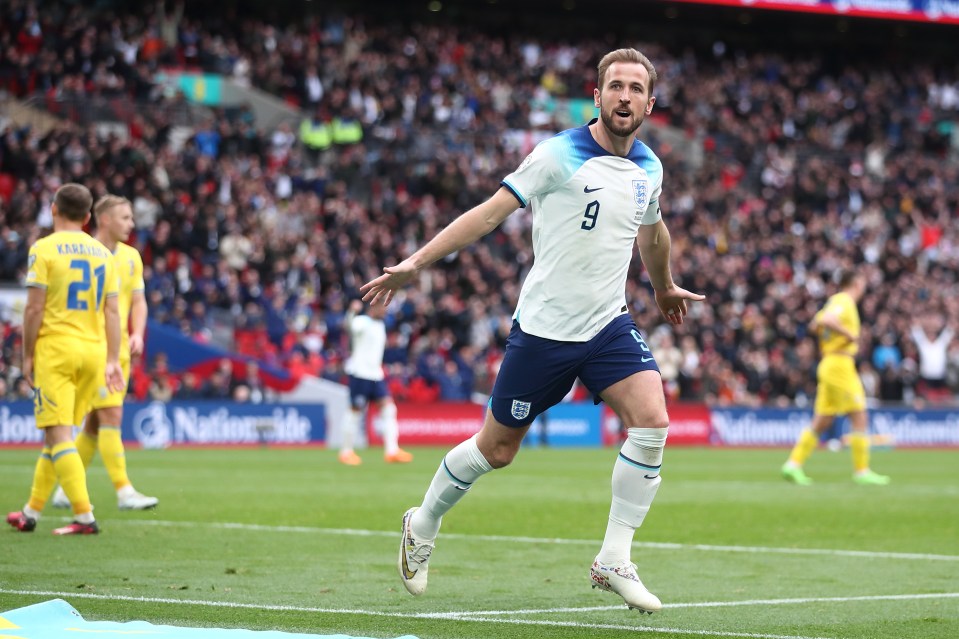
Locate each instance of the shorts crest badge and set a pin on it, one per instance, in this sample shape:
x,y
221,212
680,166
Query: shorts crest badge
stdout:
x,y
520,410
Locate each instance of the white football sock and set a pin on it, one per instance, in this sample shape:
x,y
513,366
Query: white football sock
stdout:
x,y
350,426
391,430
635,482
459,469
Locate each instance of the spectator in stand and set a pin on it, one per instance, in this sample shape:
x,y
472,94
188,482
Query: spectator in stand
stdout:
x,y
188,388
669,358
256,390
932,338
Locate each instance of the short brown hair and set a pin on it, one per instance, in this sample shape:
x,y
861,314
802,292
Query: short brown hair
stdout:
x,y
627,55
73,201
845,277
107,202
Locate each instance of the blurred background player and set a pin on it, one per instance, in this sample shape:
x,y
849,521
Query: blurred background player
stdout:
x,y
366,380
114,216
71,296
839,390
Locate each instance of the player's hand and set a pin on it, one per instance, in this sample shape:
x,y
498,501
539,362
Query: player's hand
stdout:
x,y
114,378
27,370
136,345
672,303
382,289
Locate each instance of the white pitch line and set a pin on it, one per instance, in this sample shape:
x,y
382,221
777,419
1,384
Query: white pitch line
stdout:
x,y
355,532
724,604
448,616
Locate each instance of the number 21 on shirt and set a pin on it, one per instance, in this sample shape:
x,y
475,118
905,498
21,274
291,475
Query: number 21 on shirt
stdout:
x,y
82,283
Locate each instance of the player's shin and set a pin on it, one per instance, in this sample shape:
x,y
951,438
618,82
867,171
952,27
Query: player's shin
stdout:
x,y
86,447
44,478
459,469
114,455
635,482
72,476
859,447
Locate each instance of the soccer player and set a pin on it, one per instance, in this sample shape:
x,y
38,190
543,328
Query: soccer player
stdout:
x,y
365,369
594,190
71,297
839,390
114,216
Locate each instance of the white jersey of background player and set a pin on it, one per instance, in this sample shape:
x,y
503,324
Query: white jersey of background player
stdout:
x,y
366,380
578,280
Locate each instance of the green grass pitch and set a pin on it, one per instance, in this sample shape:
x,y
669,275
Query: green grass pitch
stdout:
x,y
291,540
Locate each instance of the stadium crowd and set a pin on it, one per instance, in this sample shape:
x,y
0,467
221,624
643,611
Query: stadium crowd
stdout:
x,y
805,165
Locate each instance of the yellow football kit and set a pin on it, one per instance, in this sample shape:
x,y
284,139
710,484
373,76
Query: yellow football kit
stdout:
x,y
839,390
129,267
78,273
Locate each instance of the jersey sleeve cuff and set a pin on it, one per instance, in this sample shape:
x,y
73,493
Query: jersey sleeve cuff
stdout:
x,y
36,285
512,189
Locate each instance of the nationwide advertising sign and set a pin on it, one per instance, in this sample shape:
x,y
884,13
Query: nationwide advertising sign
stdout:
x,y
904,427
937,11
160,424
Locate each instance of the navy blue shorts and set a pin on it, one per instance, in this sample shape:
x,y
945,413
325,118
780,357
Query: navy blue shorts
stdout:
x,y
537,373
364,391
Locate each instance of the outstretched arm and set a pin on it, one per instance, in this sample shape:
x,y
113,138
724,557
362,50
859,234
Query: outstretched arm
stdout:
x,y
654,248
461,232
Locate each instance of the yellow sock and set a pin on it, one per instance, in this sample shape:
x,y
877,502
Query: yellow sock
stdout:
x,y
804,447
44,477
72,476
114,457
86,446
859,445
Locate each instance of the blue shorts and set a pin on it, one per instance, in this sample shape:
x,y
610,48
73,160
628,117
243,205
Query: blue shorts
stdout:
x,y
537,373
364,391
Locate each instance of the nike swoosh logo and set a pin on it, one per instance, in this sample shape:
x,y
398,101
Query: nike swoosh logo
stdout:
x,y
407,573
646,476
646,359
586,189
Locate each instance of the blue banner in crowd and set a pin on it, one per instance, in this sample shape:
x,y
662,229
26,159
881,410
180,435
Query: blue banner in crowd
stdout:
x,y
159,424
57,619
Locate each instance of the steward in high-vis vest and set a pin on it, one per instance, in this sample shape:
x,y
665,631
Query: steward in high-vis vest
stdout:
x,y
347,129
316,133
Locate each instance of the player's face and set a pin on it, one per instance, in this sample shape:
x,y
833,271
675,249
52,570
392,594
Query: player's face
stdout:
x,y
624,101
120,222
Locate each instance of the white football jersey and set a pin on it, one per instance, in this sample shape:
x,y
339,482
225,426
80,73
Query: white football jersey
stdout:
x,y
587,207
367,342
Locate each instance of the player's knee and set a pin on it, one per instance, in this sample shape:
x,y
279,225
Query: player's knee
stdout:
x,y
501,455
643,420
499,452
